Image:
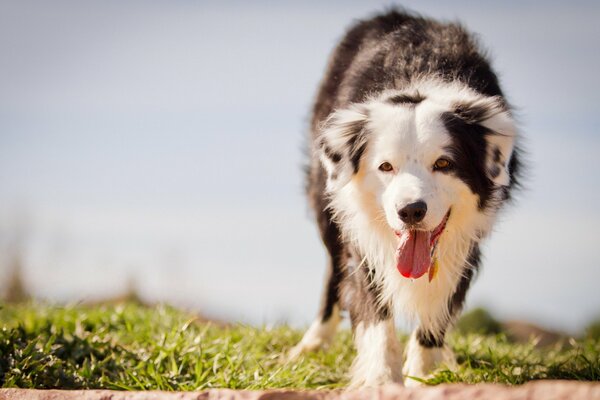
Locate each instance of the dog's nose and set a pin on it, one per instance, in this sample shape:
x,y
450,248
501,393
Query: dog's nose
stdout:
x,y
413,213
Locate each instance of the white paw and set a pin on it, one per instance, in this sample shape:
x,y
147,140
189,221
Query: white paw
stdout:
x,y
421,362
318,336
379,359
305,347
409,381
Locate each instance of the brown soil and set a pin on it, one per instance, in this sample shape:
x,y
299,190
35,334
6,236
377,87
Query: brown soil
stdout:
x,y
540,390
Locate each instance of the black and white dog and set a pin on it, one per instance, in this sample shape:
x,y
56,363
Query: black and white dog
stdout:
x,y
412,155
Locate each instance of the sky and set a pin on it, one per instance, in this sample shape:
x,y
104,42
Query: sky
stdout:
x,y
161,142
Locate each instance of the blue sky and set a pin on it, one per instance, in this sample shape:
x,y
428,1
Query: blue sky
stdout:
x,y
162,141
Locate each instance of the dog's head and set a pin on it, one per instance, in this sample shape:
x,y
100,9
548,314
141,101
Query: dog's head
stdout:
x,y
431,155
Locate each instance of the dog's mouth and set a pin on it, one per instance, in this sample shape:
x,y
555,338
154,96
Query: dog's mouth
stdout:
x,y
415,249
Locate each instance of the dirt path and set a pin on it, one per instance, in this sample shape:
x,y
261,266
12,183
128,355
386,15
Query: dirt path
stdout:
x,y
540,390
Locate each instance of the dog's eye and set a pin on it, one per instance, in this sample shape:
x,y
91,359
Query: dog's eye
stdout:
x,y
442,164
386,167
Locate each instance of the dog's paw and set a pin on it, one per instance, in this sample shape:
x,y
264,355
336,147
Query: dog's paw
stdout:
x,y
300,349
312,340
421,362
368,375
374,380
318,336
410,381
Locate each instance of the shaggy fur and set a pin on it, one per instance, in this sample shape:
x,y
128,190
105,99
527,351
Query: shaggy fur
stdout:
x,y
410,134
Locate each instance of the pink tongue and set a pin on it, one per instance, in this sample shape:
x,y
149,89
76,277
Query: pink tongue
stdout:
x,y
414,253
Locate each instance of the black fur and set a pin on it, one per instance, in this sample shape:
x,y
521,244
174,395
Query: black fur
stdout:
x,y
362,292
496,168
429,340
403,46
457,300
330,233
395,48
472,114
332,155
469,149
415,98
356,155
497,156
357,144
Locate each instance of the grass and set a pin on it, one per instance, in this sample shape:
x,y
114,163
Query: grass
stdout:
x,y
131,347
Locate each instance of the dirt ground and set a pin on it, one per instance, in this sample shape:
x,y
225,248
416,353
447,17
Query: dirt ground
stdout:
x,y
540,390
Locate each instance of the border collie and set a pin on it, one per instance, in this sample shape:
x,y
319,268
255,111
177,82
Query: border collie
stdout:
x,y
412,153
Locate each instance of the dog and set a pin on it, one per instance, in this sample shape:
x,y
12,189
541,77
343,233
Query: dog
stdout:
x,y
413,151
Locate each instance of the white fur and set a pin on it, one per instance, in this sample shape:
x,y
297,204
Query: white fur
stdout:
x,y
379,358
421,362
411,138
366,203
318,336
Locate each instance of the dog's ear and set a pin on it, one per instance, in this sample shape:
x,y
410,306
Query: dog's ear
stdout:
x,y
500,132
341,143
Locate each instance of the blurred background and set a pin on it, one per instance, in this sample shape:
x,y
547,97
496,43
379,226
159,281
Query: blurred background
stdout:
x,y
156,148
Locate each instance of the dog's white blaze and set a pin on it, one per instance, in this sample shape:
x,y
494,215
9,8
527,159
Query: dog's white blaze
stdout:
x,y
379,358
411,139
420,361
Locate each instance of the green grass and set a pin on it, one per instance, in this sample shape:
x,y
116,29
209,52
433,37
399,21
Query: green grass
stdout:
x,y
133,347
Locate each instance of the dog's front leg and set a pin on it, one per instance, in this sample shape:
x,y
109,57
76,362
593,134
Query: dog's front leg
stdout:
x,y
379,359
